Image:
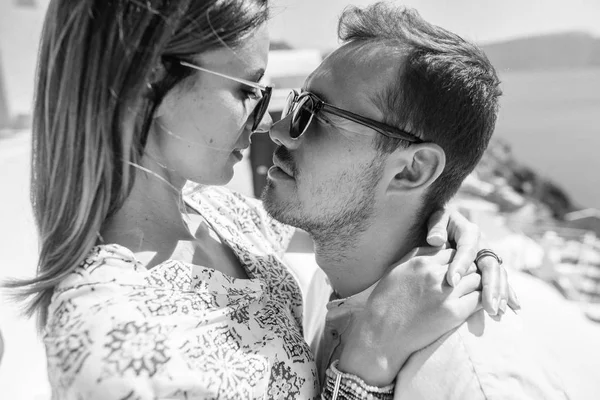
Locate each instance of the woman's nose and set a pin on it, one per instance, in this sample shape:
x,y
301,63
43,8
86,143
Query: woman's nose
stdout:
x,y
265,124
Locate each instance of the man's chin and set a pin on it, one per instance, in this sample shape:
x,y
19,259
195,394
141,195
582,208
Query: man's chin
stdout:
x,y
276,204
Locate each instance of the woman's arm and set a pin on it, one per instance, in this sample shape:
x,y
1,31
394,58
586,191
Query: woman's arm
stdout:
x,y
410,308
452,227
429,292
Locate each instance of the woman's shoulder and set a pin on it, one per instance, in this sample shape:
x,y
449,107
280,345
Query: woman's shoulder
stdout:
x,y
104,263
106,270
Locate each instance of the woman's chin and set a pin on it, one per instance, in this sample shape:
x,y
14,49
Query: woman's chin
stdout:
x,y
221,178
216,174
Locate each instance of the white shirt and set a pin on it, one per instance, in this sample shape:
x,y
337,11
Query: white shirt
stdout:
x,y
480,360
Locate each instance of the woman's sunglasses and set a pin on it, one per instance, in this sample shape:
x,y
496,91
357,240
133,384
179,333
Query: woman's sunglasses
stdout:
x,y
263,103
306,105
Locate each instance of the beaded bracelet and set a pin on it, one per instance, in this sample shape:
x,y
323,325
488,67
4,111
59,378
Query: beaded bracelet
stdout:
x,y
344,386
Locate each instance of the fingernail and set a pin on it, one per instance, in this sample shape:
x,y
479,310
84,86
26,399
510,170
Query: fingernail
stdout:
x,y
436,237
495,305
518,301
515,311
455,279
503,305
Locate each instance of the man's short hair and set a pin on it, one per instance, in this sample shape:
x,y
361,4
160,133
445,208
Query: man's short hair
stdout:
x,y
446,90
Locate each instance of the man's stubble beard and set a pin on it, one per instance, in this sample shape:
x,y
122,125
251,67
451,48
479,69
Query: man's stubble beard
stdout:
x,y
336,222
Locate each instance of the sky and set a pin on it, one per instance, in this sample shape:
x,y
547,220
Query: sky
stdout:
x,y
312,24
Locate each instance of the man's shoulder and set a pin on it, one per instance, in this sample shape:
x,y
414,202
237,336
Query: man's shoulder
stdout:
x,y
482,359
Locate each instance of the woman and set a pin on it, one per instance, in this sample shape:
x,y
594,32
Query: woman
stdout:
x,y
148,288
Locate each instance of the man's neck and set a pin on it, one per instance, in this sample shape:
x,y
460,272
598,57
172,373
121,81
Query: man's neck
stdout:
x,y
372,251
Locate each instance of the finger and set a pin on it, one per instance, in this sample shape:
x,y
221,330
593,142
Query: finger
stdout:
x,y
437,255
497,317
437,228
502,290
466,236
513,300
467,284
467,305
491,279
472,269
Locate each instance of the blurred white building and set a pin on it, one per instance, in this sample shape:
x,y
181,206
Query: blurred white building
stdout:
x,y
20,26
287,70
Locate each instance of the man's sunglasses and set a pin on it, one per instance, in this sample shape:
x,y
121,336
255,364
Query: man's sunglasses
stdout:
x,y
305,106
263,103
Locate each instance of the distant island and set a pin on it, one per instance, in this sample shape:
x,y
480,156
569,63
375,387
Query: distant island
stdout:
x,y
569,50
556,51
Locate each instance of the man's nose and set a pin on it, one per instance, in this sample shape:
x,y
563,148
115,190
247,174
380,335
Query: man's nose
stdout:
x,y
280,134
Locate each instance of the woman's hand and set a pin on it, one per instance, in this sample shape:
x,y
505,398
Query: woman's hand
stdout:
x,y
411,307
451,226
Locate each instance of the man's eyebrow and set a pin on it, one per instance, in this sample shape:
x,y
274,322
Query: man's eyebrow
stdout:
x,y
318,93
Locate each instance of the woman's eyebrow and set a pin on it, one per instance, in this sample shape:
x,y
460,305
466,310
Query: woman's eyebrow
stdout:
x,y
256,75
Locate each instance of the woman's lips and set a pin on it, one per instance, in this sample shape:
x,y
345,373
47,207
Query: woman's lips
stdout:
x,y
238,154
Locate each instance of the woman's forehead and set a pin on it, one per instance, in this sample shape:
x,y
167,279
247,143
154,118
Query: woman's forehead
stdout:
x,y
248,58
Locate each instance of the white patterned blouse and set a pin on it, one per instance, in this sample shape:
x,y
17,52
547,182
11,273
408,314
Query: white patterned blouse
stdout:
x,y
180,331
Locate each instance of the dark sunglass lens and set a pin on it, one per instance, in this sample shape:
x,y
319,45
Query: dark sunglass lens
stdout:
x,y
302,117
305,116
258,114
261,109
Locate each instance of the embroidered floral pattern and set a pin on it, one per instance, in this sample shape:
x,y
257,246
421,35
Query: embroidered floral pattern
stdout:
x,y
64,315
183,331
232,369
294,345
285,384
67,354
139,347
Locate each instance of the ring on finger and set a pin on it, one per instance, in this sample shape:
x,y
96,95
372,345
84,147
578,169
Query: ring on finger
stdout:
x,y
487,253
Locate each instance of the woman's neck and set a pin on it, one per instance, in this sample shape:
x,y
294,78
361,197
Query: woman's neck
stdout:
x,y
150,219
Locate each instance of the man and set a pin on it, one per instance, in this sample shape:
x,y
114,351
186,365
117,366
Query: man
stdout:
x,y
384,132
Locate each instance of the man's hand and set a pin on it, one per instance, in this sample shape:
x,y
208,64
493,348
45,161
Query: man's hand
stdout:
x,y
452,226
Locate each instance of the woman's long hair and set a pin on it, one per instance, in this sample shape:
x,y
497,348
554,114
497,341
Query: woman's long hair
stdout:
x,y
96,93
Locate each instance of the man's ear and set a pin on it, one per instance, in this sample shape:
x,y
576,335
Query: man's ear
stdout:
x,y
417,167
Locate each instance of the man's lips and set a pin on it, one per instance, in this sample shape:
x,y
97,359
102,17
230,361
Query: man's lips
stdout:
x,y
286,169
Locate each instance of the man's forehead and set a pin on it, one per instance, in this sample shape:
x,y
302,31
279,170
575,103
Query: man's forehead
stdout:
x,y
352,76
